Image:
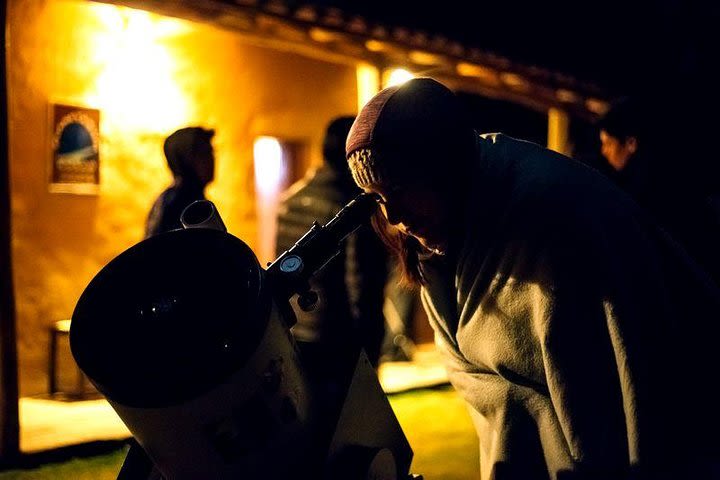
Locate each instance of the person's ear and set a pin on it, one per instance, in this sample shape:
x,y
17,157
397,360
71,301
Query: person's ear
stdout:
x,y
631,145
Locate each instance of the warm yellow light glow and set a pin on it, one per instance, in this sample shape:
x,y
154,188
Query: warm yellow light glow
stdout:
x,y
269,165
270,175
567,96
136,88
324,36
515,81
425,58
558,131
478,71
597,106
368,83
398,76
375,46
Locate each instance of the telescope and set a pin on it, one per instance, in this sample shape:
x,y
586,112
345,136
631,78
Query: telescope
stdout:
x,y
189,339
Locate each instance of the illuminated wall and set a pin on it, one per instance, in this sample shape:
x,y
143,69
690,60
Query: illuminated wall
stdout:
x,y
148,75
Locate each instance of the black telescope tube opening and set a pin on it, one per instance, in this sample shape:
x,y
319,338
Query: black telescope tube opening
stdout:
x,y
171,318
202,214
198,212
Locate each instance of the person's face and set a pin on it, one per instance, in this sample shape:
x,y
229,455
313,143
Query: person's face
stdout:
x,y
617,152
205,162
418,211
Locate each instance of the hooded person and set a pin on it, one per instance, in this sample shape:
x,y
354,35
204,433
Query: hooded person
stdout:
x,y
351,287
578,332
190,157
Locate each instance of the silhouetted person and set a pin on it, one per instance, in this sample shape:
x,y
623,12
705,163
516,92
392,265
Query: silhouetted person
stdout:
x,y
623,132
191,159
665,173
351,287
581,336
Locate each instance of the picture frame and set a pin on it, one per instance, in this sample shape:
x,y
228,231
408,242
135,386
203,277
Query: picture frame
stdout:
x,y
74,149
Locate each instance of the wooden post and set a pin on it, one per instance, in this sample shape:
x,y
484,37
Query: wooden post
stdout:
x,y
9,420
558,127
368,83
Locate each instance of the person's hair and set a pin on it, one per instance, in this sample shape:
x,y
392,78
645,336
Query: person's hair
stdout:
x,y
406,250
334,143
181,146
625,118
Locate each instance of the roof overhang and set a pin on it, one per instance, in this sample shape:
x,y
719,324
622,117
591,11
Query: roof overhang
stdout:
x,y
332,35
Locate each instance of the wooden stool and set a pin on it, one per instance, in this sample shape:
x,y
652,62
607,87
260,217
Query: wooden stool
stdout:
x,y
57,329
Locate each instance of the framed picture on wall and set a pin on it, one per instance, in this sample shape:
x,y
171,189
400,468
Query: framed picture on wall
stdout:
x,y
75,153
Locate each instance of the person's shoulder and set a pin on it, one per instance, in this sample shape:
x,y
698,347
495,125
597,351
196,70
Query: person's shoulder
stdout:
x,y
558,189
319,190
524,157
163,198
296,189
156,217
499,140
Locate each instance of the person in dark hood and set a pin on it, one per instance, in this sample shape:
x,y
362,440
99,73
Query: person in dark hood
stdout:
x,y
191,159
351,287
577,331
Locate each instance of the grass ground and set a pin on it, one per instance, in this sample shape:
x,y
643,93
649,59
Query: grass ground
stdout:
x,y
102,467
435,421
440,432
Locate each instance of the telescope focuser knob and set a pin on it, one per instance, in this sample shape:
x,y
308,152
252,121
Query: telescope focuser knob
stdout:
x,y
307,300
291,264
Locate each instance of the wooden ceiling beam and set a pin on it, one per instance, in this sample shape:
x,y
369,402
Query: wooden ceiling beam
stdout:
x,y
325,34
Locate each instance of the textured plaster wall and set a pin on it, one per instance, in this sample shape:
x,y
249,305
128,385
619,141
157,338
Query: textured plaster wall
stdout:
x,y
148,75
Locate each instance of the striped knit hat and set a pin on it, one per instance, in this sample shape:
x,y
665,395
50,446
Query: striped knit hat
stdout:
x,y
405,131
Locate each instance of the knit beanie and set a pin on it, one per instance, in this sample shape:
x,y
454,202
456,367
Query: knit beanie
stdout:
x,y
406,131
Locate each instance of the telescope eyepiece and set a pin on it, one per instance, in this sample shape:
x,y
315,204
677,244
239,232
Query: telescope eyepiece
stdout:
x,y
202,214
